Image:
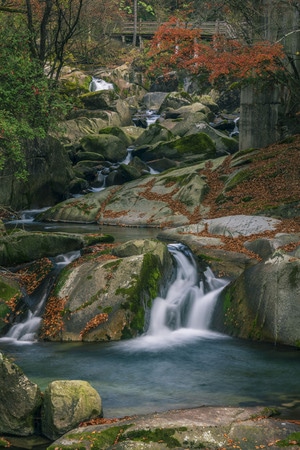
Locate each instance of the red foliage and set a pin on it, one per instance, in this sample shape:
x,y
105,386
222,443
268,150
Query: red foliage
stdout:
x,y
178,46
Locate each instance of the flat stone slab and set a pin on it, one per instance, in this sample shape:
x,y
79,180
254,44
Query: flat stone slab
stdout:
x,y
204,427
240,225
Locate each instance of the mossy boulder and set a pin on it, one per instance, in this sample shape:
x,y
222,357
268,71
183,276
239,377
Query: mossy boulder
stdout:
x,y
99,99
122,174
105,296
188,149
119,133
175,100
154,134
24,246
110,147
66,404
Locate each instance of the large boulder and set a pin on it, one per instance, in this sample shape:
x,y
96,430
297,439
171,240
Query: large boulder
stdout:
x,y
20,400
168,199
76,128
107,297
66,404
187,149
109,146
154,100
49,175
264,302
154,134
24,246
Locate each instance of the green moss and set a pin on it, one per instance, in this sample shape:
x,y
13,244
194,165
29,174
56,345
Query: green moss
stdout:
x,y
243,153
293,277
4,310
142,291
63,276
180,179
112,264
195,144
297,343
95,439
7,291
292,439
4,442
118,132
162,435
230,144
239,177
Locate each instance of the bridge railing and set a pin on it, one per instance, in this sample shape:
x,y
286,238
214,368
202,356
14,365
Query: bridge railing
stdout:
x,y
149,28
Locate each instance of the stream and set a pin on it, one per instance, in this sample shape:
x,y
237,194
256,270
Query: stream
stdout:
x,y
178,363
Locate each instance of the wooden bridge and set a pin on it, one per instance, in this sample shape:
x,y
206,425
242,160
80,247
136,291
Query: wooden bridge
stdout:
x,y
147,29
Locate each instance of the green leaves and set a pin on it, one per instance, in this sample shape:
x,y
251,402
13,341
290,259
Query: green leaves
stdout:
x,y
29,103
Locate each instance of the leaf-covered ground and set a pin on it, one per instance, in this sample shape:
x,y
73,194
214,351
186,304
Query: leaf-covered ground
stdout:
x,y
273,180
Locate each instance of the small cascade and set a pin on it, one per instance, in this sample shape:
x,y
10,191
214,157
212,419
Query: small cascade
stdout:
x,y
97,84
151,116
186,310
235,131
128,157
26,331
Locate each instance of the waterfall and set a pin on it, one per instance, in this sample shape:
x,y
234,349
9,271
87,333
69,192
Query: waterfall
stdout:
x,y
26,330
98,84
186,311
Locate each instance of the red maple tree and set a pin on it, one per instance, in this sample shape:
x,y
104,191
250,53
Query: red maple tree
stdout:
x,y
177,45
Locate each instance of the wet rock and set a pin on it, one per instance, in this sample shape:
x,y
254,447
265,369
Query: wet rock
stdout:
x,y
66,404
207,427
262,303
20,400
108,298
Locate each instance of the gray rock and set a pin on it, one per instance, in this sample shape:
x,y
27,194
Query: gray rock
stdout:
x,y
110,299
20,400
49,175
207,427
263,303
154,100
66,404
149,201
109,146
265,247
241,225
24,246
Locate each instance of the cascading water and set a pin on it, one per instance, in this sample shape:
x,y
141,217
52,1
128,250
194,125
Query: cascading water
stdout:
x,y
97,84
26,331
186,311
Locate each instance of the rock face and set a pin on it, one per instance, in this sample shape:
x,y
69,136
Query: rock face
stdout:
x,y
150,201
264,302
66,404
50,173
108,297
20,400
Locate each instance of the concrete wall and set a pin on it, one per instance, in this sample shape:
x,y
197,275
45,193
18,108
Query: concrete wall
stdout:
x,y
264,108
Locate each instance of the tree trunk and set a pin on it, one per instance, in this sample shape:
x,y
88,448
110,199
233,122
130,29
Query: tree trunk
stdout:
x,y
135,8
